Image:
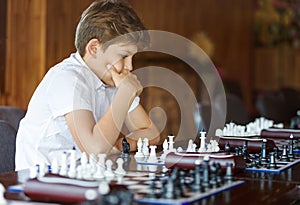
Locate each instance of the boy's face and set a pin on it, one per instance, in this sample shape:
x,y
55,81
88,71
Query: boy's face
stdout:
x,y
120,57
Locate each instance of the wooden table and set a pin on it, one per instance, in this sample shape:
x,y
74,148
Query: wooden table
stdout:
x,y
259,188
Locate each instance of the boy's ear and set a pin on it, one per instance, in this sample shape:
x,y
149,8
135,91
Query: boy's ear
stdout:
x,y
93,47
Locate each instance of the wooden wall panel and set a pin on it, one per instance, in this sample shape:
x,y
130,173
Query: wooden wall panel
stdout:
x,y
41,33
3,23
227,23
25,59
62,18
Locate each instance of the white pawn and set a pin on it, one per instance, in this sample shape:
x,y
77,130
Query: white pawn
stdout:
x,y
120,170
33,172
101,159
214,145
84,160
2,191
152,158
145,147
108,173
92,162
190,146
87,174
72,168
179,149
43,169
79,172
54,166
99,172
63,165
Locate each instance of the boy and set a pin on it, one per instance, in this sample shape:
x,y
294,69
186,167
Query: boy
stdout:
x,y
86,100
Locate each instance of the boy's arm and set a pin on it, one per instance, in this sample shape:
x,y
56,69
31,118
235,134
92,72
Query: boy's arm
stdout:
x,y
139,125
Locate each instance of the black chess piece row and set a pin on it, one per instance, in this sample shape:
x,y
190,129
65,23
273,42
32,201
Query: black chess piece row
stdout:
x,y
267,160
203,178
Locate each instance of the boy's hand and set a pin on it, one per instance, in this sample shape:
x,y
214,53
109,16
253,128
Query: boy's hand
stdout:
x,y
126,79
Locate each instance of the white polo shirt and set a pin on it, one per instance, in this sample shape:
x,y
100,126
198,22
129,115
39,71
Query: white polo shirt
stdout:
x,y
43,134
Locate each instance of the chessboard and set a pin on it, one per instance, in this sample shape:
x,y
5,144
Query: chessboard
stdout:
x,y
92,179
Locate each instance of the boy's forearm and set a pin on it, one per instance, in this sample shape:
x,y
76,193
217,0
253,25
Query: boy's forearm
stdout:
x,y
151,133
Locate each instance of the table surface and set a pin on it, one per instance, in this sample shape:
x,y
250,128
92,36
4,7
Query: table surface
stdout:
x,y
259,188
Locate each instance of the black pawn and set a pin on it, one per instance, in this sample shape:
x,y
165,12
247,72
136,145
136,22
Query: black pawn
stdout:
x,y
296,147
206,173
213,176
284,156
228,178
152,192
237,151
219,174
196,186
182,179
272,164
227,147
275,150
169,189
246,155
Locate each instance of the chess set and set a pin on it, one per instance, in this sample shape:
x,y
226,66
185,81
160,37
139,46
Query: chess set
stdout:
x,y
99,178
169,186
172,176
264,146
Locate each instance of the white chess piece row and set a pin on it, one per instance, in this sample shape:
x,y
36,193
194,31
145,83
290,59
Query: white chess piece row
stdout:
x,y
251,129
90,168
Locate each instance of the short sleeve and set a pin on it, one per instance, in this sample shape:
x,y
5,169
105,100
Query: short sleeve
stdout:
x,y
68,91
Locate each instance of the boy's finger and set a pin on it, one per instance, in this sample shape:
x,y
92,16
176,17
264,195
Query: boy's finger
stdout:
x,y
112,69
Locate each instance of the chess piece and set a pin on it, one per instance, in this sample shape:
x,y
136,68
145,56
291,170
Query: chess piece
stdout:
x,y
214,146
246,153
33,172
54,166
152,158
108,173
284,156
139,154
202,141
72,168
63,166
228,178
165,150
263,157
103,188
213,176
190,146
126,148
171,143
120,170
272,164
145,148
197,187
291,148
227,147
2,191
206,173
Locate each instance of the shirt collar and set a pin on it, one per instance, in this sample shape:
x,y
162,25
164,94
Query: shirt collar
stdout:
x,y
99,84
